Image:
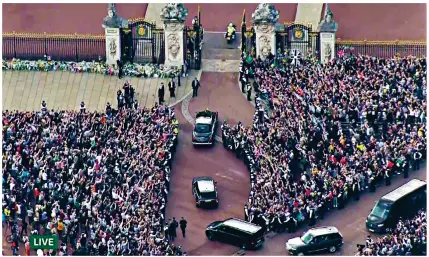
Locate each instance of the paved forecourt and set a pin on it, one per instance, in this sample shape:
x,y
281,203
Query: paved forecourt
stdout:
x,y
64,90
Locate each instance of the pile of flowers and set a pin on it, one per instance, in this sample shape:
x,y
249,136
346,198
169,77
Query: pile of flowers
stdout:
x,y
130,69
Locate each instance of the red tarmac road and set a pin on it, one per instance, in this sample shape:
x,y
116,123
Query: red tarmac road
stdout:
x,y
233,187
231,174
219,92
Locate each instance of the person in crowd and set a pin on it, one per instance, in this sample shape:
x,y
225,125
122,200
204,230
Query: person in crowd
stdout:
x,y
195,86
409,237
98,180
328,132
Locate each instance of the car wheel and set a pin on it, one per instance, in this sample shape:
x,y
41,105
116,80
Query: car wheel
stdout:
x,y
210,236
332,249
300,254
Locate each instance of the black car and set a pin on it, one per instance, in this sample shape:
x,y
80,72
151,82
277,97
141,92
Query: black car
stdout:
x,y
205,128
316,240
204,191
237,232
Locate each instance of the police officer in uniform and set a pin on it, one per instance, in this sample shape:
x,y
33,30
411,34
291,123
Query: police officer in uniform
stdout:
x,y
261,115
340,199
249,91
357,192
321,208
119,98
372,184
243,84
387,177
311,216
43,107
108,108
82,107
405,168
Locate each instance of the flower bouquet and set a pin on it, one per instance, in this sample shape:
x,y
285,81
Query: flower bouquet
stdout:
x,y
130,69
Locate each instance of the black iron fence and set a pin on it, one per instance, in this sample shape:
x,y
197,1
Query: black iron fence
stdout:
x,y
382,49
61,47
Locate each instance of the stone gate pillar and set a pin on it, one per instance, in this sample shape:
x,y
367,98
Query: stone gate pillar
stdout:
x,y
264,19
174,17
112,24
327,28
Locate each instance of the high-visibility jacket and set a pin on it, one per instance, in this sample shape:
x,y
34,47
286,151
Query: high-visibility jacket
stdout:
x,y
60,226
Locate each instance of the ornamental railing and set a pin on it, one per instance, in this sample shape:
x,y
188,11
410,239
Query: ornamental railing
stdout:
x,y
61,47
382,49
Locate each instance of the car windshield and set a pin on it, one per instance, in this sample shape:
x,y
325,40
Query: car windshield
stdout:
x,y
202,128
381,210
210,195
307,237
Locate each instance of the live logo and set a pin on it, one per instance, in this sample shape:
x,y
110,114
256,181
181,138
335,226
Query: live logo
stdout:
x,y
44,242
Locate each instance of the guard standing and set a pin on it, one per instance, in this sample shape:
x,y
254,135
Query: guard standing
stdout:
x,y
43,107
261,115
357,192
183,224
372,184
311,217
119,98
405,168
387,176
195,86
161,92
246,212
82,107
172,88
249,91
243,84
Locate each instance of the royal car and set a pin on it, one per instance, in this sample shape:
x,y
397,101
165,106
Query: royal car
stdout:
x,y
205,128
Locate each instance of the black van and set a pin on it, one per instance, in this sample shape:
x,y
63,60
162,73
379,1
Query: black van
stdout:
x,y
237,232
403,202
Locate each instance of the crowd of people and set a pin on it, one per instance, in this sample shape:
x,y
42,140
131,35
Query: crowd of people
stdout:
x,y
408,238
323,133
98,180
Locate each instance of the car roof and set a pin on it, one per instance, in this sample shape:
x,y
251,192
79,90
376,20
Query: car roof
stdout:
x,y
404,190
203,120
242,225
205,186
319,231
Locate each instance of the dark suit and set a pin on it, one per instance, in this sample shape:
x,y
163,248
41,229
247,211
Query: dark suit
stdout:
x,y
172,88
119,63
195,86
183,224
161,92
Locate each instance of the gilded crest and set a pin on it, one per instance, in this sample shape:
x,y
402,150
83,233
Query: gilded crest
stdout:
x,y
141,30
298,33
